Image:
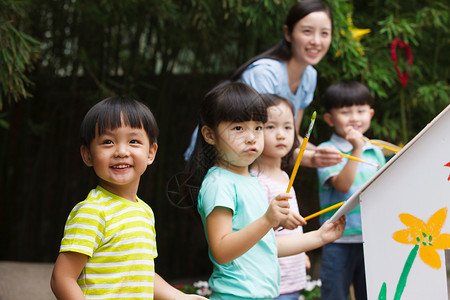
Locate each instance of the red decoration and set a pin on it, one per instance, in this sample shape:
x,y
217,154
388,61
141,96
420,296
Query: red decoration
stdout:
x,y
447,165
409,59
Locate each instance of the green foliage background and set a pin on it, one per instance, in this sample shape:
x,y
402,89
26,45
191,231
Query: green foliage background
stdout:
x,y
112,41
61,57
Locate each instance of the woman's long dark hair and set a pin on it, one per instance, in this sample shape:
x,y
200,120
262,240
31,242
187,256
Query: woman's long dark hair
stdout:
x,y
282,50
227,102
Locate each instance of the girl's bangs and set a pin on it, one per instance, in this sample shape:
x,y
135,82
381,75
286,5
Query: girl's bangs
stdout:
x,y
242,107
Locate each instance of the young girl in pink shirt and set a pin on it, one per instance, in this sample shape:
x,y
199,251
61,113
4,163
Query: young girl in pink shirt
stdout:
x,y
280,140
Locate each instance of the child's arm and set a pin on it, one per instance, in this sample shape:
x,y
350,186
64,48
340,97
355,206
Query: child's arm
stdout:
x,y
164,291
67,268
344,180
294,244
227,245
307,262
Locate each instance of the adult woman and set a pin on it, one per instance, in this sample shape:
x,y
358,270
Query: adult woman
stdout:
x,y
287,68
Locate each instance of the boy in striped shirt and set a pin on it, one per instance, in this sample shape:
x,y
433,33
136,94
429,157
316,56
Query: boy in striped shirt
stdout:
x,y
109,244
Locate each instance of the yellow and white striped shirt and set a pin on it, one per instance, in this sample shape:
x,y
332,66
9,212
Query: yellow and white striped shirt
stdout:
x,y
119,237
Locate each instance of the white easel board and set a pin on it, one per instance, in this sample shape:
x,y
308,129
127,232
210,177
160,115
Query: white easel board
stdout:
x,y
416,182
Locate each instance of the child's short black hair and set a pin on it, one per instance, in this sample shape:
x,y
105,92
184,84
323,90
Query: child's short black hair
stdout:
x,y
109,114
346,93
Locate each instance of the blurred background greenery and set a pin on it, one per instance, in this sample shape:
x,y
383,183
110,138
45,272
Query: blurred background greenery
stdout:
x,y
59,57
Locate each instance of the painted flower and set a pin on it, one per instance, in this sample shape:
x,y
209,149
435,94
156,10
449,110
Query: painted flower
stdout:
x,y
447,165
426,235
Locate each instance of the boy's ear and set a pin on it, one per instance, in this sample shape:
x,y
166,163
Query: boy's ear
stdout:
x,y
86,155
152,153
372,112
208,135
328,118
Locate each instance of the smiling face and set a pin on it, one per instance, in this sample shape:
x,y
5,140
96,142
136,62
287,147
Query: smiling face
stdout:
x,y
278,131
310,38
119,158
238,144
345,118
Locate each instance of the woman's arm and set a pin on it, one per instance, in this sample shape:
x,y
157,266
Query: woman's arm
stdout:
x,y
298,121
295,244
67,268
227,245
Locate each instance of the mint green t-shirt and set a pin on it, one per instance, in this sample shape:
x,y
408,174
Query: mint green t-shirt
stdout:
x,y
256,273
328,195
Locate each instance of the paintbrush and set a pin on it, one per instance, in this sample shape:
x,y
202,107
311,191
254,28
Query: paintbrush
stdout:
x,y
321,212
358,159
381,145
302,150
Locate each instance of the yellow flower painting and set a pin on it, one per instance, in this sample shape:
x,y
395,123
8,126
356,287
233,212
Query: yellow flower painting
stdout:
x,y
426,238
427,235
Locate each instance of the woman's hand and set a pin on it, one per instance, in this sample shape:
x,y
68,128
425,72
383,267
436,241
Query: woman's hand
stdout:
x,y
325,157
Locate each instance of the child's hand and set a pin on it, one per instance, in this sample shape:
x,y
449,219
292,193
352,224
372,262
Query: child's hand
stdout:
x,y
355,138
307,262
192,297
278,209
326,156
292,221
329,232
